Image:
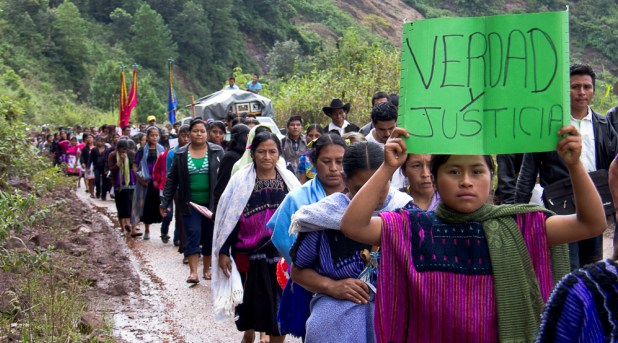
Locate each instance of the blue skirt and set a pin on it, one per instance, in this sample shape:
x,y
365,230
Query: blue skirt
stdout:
x,y
334,320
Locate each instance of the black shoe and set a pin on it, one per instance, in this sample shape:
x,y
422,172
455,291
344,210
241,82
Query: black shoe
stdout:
x,y
104,198
165,239
176,243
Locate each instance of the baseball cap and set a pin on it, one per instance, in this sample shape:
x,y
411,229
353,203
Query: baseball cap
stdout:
x,y
151,118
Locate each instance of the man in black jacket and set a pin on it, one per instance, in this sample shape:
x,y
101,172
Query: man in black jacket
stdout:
x,y
599,146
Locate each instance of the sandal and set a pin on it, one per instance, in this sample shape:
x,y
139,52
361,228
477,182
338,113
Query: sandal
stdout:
x,y
207,275
191,280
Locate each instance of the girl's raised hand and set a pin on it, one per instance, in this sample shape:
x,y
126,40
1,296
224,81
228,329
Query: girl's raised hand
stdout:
x,y
395,150
570,146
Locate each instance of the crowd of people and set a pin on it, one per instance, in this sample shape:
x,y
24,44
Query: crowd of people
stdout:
x,y
337,234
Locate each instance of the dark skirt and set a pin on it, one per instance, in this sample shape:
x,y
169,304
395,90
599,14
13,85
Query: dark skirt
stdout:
x,y
262,293
180,226
124,202
151,213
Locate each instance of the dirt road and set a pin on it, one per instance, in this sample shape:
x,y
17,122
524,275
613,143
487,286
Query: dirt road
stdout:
x,y
166,309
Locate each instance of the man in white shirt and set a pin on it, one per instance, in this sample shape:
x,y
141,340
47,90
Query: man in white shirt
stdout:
x,y
338,111
384,121
231,84
599,147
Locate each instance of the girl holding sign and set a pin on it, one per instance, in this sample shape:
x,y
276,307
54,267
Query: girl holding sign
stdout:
x,y
469,271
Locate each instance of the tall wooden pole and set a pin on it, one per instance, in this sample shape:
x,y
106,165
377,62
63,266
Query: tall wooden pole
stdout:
x,y
193,106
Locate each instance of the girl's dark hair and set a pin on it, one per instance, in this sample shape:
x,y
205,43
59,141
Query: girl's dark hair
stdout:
x,y
152,128
184,129
131,144
316,127
238,141
236,121
438,160
362,156
195,122
123,143
137,137
323,141
251,121
263,137
218,124
262,128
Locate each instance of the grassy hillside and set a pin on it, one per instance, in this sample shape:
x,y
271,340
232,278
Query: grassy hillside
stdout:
x,y
60,60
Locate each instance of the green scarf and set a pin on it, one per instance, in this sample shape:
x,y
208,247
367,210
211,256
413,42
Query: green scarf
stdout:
x,y
518,296
125,172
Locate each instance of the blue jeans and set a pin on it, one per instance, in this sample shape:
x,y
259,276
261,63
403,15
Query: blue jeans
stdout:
x,y
165,225
199,230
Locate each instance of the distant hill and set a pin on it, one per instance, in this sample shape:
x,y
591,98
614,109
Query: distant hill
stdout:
x,y
61,58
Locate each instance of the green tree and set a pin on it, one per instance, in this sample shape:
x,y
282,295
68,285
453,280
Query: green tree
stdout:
x,y
121,24
167,8
105,86
196,46
23,24
229,47
284,58
100,10
152,40
70,37
149,102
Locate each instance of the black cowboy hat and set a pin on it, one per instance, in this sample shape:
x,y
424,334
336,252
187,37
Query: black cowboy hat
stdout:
x,y
335,104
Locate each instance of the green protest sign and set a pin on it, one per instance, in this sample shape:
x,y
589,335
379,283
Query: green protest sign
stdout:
x,y
487,85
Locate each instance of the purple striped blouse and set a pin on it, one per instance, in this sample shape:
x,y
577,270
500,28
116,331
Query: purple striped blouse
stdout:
x,y
439,306
313,250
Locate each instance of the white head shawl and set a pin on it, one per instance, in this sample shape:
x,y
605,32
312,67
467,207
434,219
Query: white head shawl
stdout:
x,y
227,292
328,212
246,156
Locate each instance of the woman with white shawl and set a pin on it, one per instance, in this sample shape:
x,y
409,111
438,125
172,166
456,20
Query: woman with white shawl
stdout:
x,y
244,281
246,156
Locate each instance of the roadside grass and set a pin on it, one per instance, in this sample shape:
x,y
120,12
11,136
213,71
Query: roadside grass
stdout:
x,y
42,288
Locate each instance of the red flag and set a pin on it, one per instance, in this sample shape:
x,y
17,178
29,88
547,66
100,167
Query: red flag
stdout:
x,y
123,99
131,101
